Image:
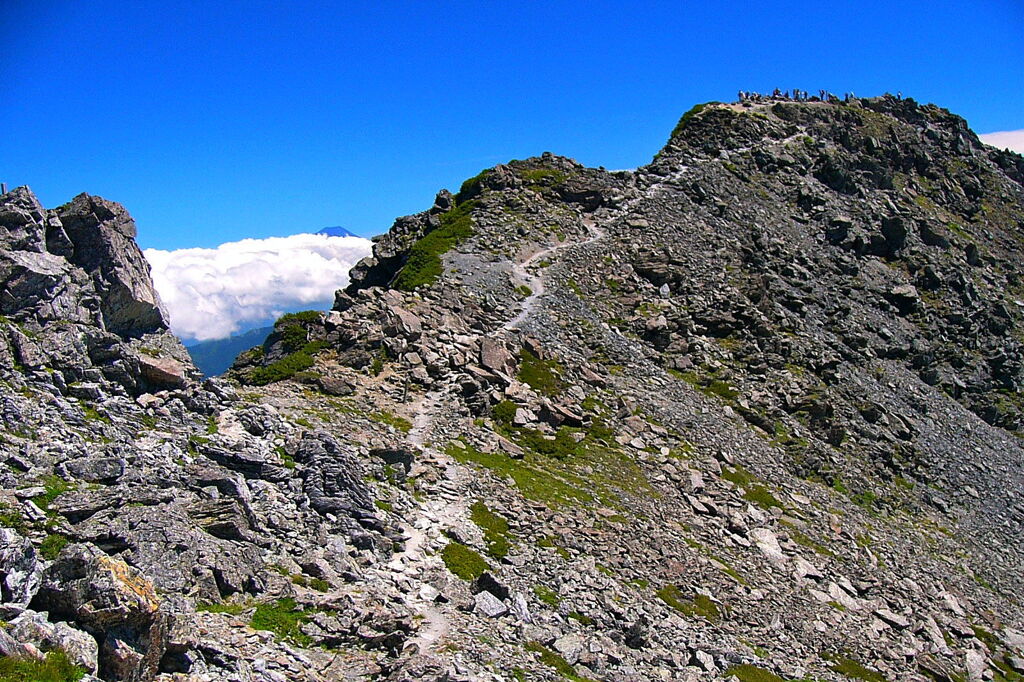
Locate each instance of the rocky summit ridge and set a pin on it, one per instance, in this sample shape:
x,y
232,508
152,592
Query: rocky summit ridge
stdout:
x,y
749,412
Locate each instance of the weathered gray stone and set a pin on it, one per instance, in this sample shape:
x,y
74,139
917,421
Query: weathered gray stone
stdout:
x,y
488,605
19,572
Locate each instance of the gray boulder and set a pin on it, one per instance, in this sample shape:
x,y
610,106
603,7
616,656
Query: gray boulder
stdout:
x,y
19,572
33,628
114,603
103,235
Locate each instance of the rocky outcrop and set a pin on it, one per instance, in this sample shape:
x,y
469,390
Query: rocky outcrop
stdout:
x,y
113,602
77,289
102,238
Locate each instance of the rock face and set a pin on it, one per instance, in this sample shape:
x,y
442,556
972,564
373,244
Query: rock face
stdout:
x,y
102,238
751,411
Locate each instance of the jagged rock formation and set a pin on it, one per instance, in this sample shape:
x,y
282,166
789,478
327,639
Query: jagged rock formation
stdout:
x,y
751,411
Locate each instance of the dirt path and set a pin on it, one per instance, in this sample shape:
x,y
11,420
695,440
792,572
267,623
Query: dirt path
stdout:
x,y
445,506
522,276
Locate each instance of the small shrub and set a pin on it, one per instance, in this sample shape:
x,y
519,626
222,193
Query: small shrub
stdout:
x,y
504,412
463,561
302,317
377,366
294,337
281,369
51,546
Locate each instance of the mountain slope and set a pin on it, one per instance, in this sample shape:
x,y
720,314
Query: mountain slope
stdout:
x,y
750,411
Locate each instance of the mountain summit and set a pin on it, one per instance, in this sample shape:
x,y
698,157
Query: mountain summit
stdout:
x,y
336,231
750,412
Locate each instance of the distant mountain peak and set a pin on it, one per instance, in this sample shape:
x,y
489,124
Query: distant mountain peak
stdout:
x,y
337,231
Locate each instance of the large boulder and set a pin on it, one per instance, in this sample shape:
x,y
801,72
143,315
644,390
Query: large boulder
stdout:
x,y
111,601
103,234
19,573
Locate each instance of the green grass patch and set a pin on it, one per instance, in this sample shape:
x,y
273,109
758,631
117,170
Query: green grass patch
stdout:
x,y
738,475
700,606
56,667
504,412
804,541
753,490
556,662
470,185
855,670
399,423
463,561
532,474
549,541
539,175
547,595
12,518
51,546
318,584
708,383
555,472
284,619
423,263
94,415
752,673
761,496
54,486
689,116
540,375
495,529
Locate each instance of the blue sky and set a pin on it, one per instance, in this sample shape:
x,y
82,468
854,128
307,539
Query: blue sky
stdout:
x,y
214,121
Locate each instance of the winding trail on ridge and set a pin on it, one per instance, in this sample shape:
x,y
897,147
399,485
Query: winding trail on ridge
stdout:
x,y
522,276
442,510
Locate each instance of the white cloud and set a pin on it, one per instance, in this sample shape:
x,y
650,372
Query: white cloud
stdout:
x,y
212,293
1005,139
